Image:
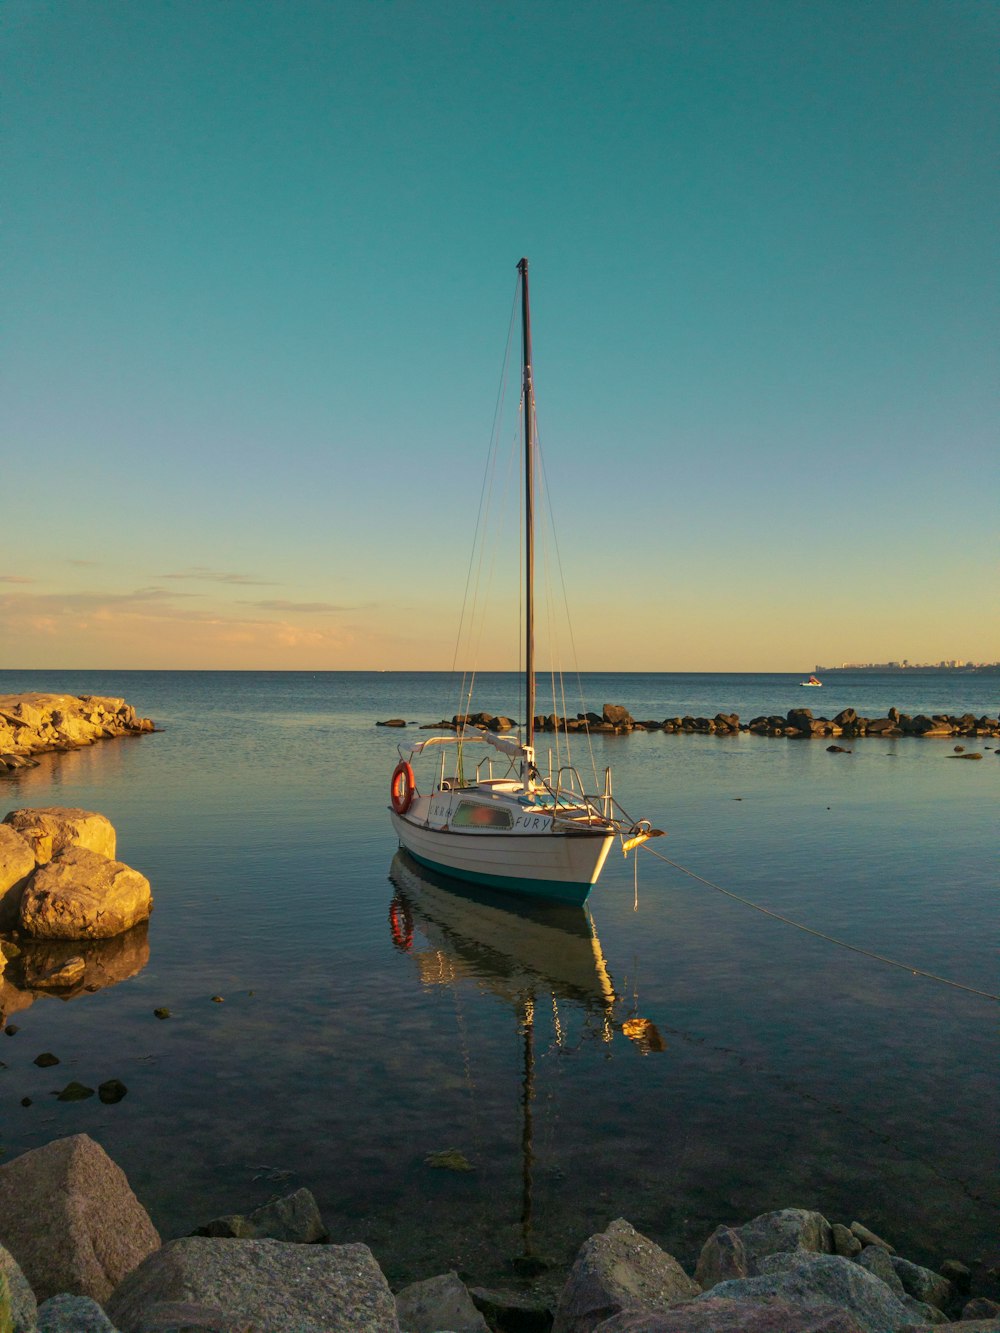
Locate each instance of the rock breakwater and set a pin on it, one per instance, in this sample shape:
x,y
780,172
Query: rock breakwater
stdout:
x,y
33,724
797,723
78,1251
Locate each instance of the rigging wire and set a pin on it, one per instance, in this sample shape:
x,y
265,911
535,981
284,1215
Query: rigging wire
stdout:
x,y
574,654
830,939
485,498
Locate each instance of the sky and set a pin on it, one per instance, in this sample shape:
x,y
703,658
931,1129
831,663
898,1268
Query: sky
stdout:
x,y
259,270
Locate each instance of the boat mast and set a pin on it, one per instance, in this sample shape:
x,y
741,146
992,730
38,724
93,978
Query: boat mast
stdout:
x,y
529,507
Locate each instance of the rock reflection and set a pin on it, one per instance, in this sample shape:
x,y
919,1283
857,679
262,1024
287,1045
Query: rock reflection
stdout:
x,y
67,969
539,959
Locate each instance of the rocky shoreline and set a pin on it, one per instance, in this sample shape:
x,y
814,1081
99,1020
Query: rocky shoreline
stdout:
x,y
797,723
33,724
80,1254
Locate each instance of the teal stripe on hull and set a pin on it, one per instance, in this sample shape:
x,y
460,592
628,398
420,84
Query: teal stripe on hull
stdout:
x,y
556,890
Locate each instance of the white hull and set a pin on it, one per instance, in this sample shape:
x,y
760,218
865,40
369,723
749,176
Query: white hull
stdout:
x,y
563,866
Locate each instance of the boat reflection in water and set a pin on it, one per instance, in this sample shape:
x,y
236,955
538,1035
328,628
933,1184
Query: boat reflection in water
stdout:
x,y
532,954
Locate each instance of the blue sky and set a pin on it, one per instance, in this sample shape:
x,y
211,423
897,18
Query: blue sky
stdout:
x,y
259,267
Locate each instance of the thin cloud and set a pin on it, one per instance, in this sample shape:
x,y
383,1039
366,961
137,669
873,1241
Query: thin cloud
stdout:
x,y
220,576
84,564
14,578
300,608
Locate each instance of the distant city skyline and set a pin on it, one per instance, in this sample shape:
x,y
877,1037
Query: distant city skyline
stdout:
x,y
260,264
905,665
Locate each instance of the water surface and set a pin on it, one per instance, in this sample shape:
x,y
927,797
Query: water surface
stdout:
x,y
367,1025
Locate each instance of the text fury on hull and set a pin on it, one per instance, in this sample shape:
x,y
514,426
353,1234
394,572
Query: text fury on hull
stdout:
x,y
541,836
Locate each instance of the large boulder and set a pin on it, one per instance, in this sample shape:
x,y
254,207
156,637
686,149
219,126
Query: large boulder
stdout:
x,y
438,1303
70,1219
20,1298
617,716
737,1252
619,1269
712,1315
271,1284
17,861
52,829
81,895
813,1280
922,1283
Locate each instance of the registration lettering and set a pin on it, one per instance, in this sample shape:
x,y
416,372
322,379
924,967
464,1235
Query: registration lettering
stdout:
x,y
532,823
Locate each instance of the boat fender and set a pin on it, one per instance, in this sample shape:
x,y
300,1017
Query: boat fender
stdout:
x,y
401,925
402,787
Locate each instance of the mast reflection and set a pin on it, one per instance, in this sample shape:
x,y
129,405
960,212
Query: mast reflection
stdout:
x,y
530,954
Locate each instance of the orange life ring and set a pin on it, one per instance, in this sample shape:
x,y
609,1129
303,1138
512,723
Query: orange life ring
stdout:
x,y
401,925
402,787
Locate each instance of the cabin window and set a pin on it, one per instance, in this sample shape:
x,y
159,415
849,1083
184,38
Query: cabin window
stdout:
x,y
470,814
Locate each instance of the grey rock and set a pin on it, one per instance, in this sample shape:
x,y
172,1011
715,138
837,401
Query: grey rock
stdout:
x,y
712,1315
845,1243
953,1269
271,1284
825,1279
980,1308
66,1313
921,1312
963,1326
22,1298
723,1256
438,1303
735,1252
617,1270
922,1283
295,1217
788,1229
867,1237
877,1261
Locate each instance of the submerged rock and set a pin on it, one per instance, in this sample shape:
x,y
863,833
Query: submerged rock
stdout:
x,y
294,1218
75,1092
450,1159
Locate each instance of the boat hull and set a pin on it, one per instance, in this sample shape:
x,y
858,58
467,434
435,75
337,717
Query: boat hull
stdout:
x,y
561,867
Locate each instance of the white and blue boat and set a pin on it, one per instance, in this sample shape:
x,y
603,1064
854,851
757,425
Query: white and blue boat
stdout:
x,y
524,832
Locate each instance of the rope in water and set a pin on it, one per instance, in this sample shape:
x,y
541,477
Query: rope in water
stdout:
x,y
854,948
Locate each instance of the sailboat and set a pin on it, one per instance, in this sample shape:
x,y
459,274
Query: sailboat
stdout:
x,y
812,682
540,836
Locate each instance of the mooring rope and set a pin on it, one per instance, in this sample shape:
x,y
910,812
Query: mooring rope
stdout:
x,y
830,939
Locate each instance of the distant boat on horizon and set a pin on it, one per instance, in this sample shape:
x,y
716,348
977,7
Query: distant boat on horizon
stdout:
x,y
811,683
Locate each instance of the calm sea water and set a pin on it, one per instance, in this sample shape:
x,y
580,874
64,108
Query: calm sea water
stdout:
x,y
368,1023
